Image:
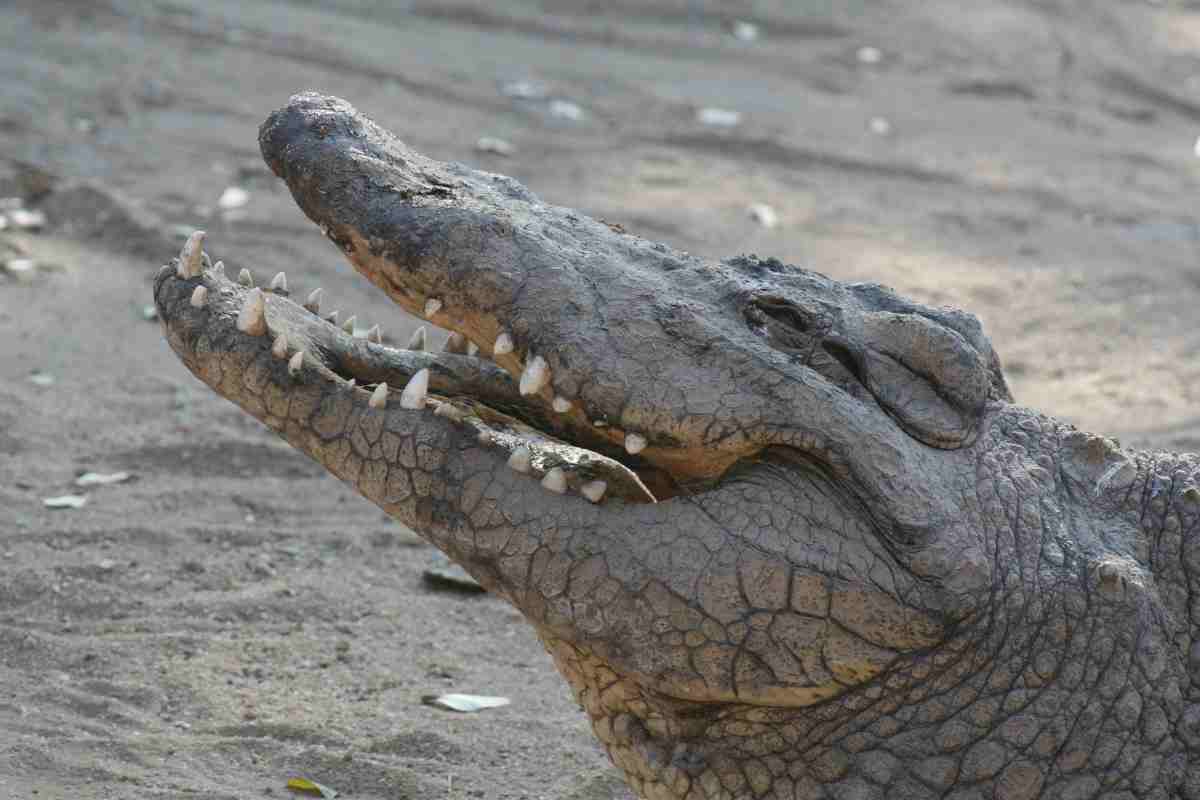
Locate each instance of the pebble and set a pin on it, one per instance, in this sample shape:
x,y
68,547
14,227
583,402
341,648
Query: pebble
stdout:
x,y
102,479
869,55
879,126
744,31
718,117
565,109
41,379
233,197
525,90
490,144
25,219
764,215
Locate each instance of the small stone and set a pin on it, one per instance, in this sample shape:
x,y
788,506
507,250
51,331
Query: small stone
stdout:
x,y
27,220
744,31
565,109
233,197
764,215
718,117
869,55
879,126
20,268
491,144
150,313
525,90
42,379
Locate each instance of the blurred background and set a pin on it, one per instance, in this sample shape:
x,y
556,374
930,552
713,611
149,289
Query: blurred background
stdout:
x,y
1035,163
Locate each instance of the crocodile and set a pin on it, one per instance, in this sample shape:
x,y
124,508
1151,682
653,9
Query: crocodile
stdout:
x,y
785,537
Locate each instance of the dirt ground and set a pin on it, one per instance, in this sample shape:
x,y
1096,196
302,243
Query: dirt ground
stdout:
x,y
232,616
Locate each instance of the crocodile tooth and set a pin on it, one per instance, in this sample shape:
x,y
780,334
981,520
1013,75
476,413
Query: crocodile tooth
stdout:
x,y
348,325
205,261
252,319
245,278
634,443
535,376
455,343
519,460
218,269
280,348
279,283
414,393
331,317
199,297
350,384
191,262
379,397
472,349
561,404
503,345
594,490
313,303
375,334
417,340
555,480
296,363
432,306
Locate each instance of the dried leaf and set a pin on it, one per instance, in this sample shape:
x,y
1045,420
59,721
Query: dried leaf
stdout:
x,y
101,478
65,501
311,787
465,703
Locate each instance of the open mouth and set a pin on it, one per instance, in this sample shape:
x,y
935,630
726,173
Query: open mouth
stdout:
x,y
216,324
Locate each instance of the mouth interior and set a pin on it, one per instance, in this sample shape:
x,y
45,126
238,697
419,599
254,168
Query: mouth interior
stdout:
x,y
469,389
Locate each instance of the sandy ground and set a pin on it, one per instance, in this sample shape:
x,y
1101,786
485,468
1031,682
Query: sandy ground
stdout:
x,y
232,616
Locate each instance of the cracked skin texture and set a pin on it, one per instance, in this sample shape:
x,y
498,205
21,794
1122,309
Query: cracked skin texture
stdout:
x,y
867,574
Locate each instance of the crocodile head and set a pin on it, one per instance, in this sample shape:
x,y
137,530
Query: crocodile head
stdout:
x,y
739,501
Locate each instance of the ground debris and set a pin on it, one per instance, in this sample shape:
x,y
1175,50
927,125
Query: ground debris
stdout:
x,y
442,573
764,215
311,787
66,501
491,144
102,479
464,703
718,117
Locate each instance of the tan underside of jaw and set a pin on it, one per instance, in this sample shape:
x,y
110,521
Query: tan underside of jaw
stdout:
x,y
382,377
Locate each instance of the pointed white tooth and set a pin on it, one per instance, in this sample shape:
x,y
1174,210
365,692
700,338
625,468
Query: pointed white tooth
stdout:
x,y
245,278
332,318
594,490
455,343
218,269
561,404
350,384
417,340
252,319
296,363
535,376
379,397
519,459
634,443
313,303
414,393
280,348
472,349
375,334
199,297
205,261
191,262
432,306
503,345
555,481
348,325
279,283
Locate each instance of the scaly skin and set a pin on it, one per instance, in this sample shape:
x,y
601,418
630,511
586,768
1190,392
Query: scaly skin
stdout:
x,y
868,574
